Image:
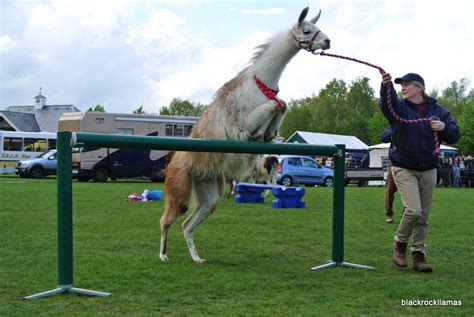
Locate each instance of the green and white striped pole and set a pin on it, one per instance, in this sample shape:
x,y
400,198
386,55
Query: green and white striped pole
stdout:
x,y
64,223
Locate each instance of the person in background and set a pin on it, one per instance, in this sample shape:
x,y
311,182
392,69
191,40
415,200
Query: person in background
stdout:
x,y
414,160
461,162
456,174
365,161
390,186
445,171
468,173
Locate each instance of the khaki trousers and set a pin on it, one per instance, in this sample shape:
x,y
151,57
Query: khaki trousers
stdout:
x,y
416,191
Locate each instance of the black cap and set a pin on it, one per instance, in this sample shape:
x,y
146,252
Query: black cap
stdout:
x,y
410,77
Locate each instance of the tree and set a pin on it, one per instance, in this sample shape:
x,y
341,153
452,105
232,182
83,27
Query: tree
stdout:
x,y
434,93
297,117
97,108
179,107
361,107
456,96
331,114
466,126
375,126
139,110
337,109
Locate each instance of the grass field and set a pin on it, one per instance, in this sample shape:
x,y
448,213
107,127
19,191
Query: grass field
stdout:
x,y
259,257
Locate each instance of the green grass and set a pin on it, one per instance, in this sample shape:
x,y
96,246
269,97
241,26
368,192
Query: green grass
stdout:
x,y
259,257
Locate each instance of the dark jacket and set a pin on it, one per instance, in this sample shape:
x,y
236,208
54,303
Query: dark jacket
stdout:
x,y
413,143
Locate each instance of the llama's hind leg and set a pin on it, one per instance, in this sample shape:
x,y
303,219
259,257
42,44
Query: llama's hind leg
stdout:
x,y
166,221
177,193
207,196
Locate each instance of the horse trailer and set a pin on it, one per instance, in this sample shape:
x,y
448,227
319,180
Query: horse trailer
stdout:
x,y
99,164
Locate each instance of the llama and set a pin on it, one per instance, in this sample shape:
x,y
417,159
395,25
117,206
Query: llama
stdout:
x,y
265,169
243,109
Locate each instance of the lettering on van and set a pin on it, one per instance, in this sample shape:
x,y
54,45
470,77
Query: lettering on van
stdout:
x,y
15,156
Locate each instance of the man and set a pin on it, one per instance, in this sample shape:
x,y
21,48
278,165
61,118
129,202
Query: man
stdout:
x,y
413,160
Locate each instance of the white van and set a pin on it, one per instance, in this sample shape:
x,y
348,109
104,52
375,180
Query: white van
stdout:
x,y
16,146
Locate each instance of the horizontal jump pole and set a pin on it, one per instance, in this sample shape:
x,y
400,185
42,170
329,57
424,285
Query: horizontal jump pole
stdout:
x,y
197,145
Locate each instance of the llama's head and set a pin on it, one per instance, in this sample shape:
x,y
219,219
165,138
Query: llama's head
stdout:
x,y
307,35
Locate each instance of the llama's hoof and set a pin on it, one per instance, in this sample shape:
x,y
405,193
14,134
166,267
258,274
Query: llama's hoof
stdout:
x,y
200,261
164,257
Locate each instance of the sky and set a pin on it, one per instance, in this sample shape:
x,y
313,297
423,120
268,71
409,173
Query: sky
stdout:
x,y
123,54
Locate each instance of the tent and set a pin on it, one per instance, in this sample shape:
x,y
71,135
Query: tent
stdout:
x,y
352,143
379,151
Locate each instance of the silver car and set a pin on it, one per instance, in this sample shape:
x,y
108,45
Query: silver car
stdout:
x,y
39,167
296,169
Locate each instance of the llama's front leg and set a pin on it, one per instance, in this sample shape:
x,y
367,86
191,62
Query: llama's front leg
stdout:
x,y
258,121
272,129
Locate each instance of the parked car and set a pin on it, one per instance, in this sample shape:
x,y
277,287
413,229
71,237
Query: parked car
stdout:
x,y
294,169
43,165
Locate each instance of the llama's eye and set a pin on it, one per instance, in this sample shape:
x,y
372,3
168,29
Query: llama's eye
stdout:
x,y
306,32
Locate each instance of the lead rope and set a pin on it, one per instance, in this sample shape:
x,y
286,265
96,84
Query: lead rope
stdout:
x,y
437,150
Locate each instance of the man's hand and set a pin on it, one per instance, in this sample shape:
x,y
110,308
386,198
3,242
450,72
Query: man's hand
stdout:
x,y
386,79
437,125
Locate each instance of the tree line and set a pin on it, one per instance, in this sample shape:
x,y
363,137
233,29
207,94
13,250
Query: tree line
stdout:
x,y
352,109
177,107
349,109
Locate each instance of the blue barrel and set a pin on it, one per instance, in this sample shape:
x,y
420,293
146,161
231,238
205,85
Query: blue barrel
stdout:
x,y
155,195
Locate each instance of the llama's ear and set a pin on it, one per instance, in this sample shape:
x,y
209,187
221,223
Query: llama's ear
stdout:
x,y
303,15
316,18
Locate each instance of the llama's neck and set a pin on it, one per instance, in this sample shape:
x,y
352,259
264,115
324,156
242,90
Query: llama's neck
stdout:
x,y
271,64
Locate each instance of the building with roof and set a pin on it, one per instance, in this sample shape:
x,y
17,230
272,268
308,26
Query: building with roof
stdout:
x,y
352,143
38,117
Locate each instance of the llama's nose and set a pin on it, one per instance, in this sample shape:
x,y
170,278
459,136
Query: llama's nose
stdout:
x,y
328,43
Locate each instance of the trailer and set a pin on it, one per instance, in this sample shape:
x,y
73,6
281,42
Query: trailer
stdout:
x,y
100,164
362,176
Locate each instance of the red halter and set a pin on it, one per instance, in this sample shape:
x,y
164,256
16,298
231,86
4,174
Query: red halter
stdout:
x,y
270,93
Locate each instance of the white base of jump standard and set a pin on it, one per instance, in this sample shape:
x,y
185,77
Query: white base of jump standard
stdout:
x,y
347,264
66,289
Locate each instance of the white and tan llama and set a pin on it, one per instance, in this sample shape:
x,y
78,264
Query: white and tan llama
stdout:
x,y
245,109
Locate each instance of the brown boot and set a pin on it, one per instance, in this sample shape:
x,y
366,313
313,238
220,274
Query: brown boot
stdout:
x,y
399,253
419,263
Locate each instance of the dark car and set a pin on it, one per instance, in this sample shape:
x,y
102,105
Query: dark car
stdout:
x,y
43,165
